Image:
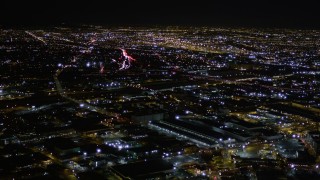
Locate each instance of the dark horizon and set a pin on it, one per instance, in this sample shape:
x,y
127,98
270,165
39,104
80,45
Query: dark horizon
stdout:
x,y
234,14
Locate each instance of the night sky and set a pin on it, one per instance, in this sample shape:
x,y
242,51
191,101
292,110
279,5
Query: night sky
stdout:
x,y
260,13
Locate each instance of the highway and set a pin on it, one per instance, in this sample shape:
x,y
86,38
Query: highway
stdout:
x,y
36,37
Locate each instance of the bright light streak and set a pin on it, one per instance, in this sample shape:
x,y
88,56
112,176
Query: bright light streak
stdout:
x,y
125,54
126,64
101,68
36,37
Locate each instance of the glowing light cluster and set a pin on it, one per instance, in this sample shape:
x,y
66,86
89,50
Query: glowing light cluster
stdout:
x,y
126,64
